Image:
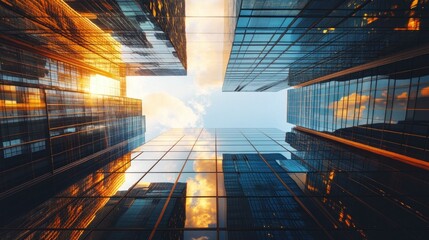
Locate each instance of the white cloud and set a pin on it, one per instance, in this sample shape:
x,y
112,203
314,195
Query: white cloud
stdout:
x,y
164,111
206,48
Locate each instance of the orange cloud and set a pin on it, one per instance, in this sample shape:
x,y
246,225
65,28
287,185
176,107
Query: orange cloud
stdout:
x,y
346,107
425,92
403,95
201,212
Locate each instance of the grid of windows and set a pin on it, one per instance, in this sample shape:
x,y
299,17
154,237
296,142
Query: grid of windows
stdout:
x,y
231,184
115,36
284,43
44,130
384,107
31,69
81,124
50,118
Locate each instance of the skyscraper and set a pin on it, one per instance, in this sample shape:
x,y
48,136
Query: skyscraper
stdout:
x,y
385,108
358,69
152,37
62,93
237,184
278,44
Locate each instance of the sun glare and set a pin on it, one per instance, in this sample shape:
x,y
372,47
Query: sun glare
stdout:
x,y
103,85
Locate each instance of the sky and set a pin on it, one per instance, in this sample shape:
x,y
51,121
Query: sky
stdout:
x,y
197,100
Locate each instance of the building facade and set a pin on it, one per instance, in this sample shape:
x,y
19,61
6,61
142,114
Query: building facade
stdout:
x,y
278,44
62,99
150,43
233,184
358,69
384,107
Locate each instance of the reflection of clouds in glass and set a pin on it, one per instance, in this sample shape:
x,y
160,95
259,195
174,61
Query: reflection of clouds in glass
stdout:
x,y
346,106
403,95
424,92
201,212
205,41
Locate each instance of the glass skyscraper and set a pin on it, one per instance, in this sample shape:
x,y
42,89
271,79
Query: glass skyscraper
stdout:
x,y
62,94
358,69
229,184
384,107
278,44
151,42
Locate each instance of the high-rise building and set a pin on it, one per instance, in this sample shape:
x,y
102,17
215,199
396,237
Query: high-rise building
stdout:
x,y
62,93
170,16
278,44
151,34
359,68
385,108
232,184
57,207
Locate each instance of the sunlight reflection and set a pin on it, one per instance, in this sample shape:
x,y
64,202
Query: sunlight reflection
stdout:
x,y
346,106
201,212
103,85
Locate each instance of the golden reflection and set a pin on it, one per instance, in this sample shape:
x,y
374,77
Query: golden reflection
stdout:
x,y
32,100
424,92
403,95
201,212
413,22
346,107
70,212
334,205
103,85
312,188
63,30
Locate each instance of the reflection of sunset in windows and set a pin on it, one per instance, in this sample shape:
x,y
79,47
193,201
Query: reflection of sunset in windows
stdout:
x,y
103,85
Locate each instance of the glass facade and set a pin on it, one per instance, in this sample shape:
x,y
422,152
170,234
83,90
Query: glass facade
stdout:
x,y
44,129
384,107
170,16
229,184
285,43
150,44
112,36
62,100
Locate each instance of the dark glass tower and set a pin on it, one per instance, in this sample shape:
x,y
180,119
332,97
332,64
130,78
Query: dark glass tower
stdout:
x,y
384,107
359,69
170,16
62,94
278,44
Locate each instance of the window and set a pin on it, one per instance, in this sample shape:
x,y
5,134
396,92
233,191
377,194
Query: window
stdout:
x,y
12,151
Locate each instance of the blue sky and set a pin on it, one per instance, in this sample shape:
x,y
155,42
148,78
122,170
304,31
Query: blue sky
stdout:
x,y
197,100
177,102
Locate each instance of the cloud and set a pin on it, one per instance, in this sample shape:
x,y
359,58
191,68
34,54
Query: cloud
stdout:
x,y
425,92
403,95
200,103
346,107
201,212
164,111
206,50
